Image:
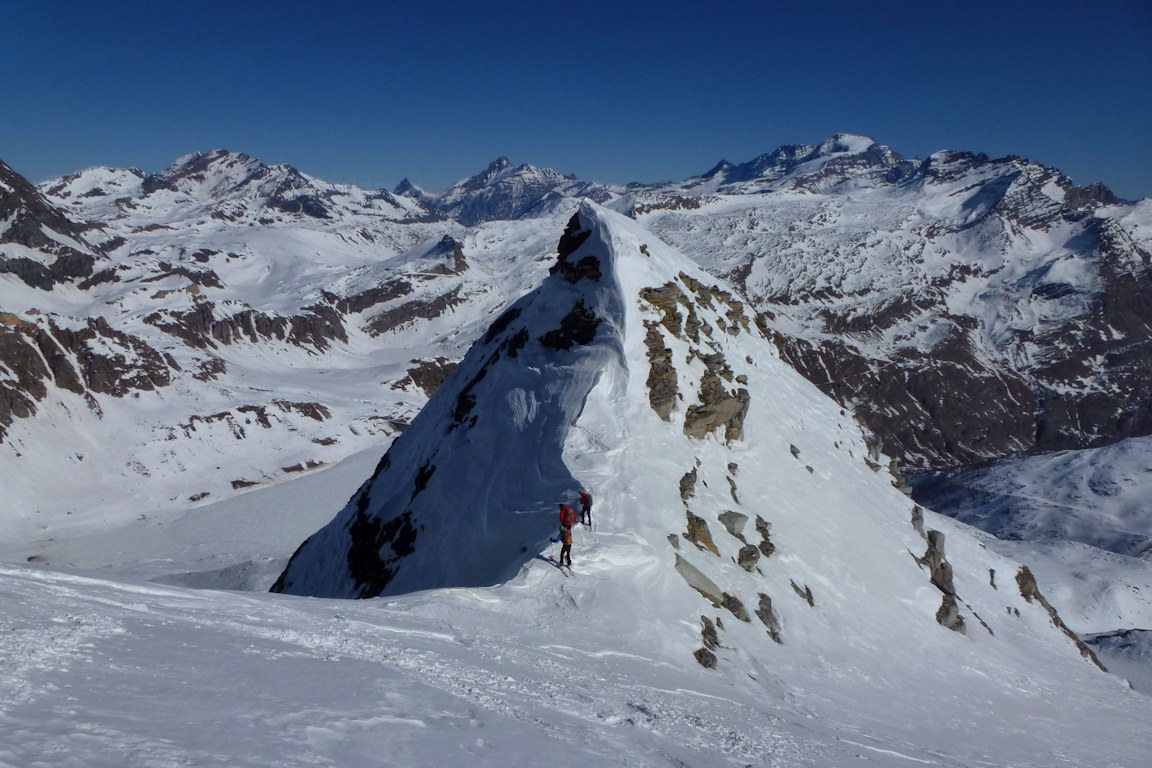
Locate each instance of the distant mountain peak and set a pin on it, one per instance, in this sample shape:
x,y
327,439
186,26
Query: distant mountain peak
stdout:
x,y
844,143
407,189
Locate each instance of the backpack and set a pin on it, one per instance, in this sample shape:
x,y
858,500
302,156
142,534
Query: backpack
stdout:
x,y
567,516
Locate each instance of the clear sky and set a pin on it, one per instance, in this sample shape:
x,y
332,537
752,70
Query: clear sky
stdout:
x,y
612,91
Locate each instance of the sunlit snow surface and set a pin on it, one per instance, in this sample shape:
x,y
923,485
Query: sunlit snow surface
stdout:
x,y
121,665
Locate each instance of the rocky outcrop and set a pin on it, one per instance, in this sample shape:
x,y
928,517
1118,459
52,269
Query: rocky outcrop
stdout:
x,y
587,267
718,409
696,579
202,328
1031,593
768,617
940,574
734,523
699,534
663,386
764,528
804,592
577,327
409,312
748,557
427,375
28,220
92,358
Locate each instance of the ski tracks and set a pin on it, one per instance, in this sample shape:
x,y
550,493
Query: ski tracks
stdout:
x,y
573,699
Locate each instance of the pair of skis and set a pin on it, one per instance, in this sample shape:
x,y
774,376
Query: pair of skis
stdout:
x,y
564,569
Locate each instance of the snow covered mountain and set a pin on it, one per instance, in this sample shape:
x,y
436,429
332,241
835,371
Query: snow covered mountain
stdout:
x,y
227,313
754,591
504,192
628,345
966,308
223,324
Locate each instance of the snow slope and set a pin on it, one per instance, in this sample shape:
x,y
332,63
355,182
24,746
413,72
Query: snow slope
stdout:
x,y
102,673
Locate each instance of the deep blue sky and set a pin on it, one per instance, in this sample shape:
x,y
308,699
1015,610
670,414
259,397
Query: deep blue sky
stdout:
x,y
370,92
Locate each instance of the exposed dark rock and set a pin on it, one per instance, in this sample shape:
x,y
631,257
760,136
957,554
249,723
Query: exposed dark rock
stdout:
x,y
699,534
667,298
577,327
708,633
29,217
204,277
422,477
768,616
428,375
705,657
381,294
748,557
198,327
688,485
409,312
1031,593
516,342
939,568
663,388
674,540
733,604
368,537
805,593
734,523
500,324
764,528
733,490
94,358
465,400
587,267
949,615
718,408
918,520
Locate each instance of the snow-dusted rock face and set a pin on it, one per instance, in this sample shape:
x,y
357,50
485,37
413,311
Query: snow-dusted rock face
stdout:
x,y
505,191
467,496
966,308
39,243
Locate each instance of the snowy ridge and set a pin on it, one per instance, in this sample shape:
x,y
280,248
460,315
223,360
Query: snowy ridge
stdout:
x,y
434,515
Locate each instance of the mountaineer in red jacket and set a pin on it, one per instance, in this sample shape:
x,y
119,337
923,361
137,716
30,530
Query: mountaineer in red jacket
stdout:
x,y
567,520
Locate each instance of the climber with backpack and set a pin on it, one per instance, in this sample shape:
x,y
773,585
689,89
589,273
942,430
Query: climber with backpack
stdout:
x,y
585,507
567,520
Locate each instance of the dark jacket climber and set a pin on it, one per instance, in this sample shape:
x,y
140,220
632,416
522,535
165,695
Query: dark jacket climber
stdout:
x,y
585,508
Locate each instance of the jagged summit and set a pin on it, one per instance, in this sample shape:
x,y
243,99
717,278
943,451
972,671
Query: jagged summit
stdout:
x,y
407,189
504,191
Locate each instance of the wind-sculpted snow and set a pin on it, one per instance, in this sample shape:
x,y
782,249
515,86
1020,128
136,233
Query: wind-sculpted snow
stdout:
x,y
468,492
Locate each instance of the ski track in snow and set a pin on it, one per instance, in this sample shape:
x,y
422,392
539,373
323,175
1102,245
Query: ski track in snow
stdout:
x,y
408,675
